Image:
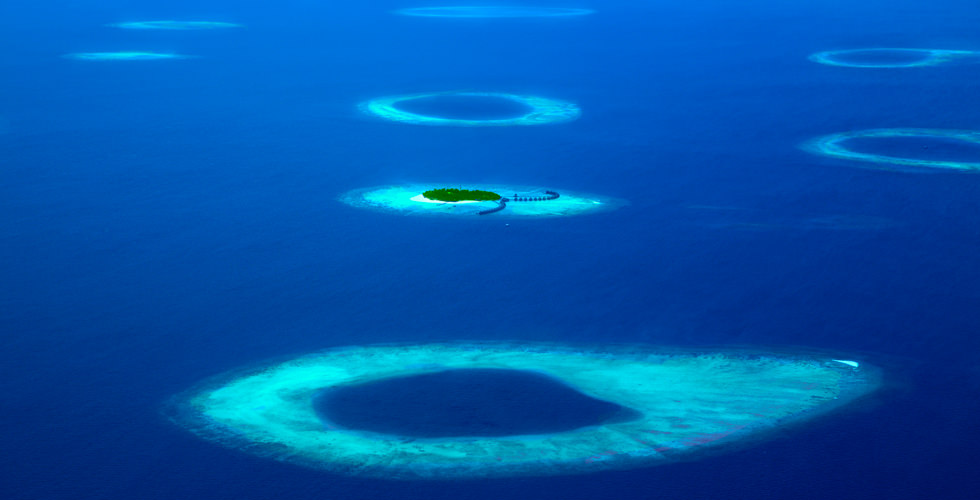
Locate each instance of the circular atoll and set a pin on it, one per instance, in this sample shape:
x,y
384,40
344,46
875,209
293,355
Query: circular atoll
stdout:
x,y
891,57
523,109
492,11
515,201
678,404
835,145
123,56
174,25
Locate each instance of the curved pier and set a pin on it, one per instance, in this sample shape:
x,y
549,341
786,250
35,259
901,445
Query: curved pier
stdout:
x,y
549,195
502,203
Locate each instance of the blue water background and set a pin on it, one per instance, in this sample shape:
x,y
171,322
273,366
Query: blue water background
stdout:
x,y
163,222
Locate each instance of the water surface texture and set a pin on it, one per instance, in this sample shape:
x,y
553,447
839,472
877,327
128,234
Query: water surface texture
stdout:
x,y
178,204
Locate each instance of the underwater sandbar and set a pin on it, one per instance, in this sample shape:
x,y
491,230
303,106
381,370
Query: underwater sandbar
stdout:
x,y
408,199
686,402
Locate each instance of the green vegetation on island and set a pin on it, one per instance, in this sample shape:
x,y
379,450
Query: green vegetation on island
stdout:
x,y
453,194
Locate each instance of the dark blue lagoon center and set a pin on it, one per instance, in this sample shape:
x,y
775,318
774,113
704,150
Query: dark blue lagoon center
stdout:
x,y
936,148
883,56
465,107
466,402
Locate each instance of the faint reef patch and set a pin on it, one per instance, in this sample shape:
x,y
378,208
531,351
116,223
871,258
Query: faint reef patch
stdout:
x,y
174,25
123,56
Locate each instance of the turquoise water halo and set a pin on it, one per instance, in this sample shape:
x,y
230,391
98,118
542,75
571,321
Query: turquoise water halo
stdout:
x,y
685,404
833,145
174,25
918,57
123,56
492,11
517,202
541,110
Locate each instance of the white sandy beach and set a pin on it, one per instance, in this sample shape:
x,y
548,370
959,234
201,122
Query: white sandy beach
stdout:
x,y
423,199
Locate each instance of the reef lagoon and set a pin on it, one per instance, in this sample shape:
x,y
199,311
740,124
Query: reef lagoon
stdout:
x,y
522,110
682,403
891,58
922,158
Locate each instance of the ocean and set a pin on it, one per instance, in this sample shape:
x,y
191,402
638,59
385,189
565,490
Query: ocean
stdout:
x,y
167,221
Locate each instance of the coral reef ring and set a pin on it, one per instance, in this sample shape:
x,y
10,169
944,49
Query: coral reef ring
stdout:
x,y
834,145
921,57
541,110
685,402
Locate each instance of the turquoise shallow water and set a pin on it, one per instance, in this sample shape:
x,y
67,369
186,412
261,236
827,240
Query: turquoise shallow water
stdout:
x,y
167,221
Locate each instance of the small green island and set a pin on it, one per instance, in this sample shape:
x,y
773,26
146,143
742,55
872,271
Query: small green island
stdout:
x,y
454,195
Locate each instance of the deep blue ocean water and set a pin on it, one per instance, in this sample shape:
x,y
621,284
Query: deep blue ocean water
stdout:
x,y
167,221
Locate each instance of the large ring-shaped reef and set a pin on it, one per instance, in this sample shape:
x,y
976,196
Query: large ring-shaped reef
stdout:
x,y
885,58
493,11
535,110
682,403
836,146
494,200
123,56
174,25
